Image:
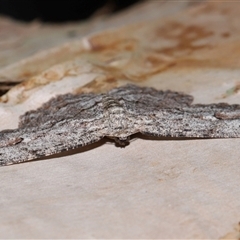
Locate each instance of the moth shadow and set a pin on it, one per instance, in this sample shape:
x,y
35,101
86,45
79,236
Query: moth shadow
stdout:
x,y
74,151
155,138
112,142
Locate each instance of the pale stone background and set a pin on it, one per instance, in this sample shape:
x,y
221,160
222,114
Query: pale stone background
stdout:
x,y
153,188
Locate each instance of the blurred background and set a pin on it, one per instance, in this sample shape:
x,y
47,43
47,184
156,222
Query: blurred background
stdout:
x,y
59,11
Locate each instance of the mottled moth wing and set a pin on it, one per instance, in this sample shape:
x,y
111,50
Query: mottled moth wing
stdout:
x,y
63,107
195,121
63,123
170,114
23,145
144,100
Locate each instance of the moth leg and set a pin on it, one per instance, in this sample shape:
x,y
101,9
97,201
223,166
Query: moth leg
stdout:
x,y
121,141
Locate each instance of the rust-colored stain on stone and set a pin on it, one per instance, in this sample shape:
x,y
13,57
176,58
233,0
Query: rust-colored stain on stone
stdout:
x,y
98,85
112,44
185,36
114,39
52,76
226,34
234,235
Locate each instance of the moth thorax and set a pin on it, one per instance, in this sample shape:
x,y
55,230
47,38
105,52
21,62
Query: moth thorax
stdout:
x,y
112,105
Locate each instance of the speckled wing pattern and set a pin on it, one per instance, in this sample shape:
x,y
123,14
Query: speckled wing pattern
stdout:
x,y
71,121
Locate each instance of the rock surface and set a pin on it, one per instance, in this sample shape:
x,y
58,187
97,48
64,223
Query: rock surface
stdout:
x,y
165,188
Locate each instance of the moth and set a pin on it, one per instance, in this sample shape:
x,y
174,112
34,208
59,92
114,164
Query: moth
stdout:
x,y
71,121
